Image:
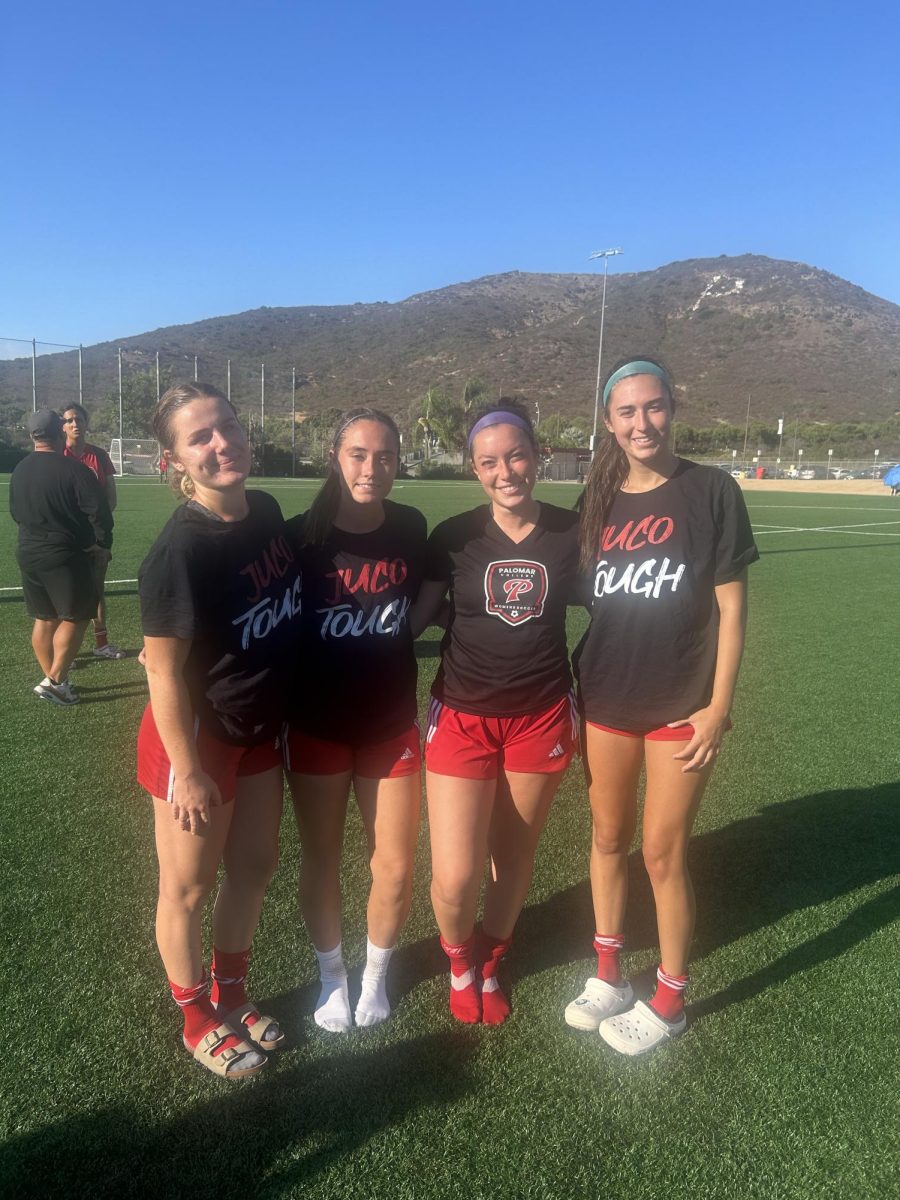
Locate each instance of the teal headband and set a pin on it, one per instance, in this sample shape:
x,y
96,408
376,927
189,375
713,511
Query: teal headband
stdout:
x,y
639,366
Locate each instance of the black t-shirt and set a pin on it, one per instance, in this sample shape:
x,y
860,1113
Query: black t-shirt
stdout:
x,y
233,589
504,652
356,653
649,654
59,507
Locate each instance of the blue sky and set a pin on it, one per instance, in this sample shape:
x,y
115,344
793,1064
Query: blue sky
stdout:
x,y
177,162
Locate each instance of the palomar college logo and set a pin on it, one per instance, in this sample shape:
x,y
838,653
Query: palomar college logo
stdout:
x,y
515,591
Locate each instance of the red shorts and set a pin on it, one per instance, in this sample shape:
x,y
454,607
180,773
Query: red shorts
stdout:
x,y
221,761
683,733
379,760
471,747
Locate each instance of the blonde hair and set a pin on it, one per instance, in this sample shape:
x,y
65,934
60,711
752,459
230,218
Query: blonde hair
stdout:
x,y
171,402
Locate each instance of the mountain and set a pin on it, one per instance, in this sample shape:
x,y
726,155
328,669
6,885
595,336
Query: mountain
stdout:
x,y
799,341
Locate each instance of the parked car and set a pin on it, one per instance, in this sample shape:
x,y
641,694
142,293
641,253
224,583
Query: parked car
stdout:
x,y
807,473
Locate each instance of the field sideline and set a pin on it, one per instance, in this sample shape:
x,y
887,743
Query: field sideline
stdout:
x,y
783,1087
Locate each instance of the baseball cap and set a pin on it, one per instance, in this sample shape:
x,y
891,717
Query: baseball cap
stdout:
x,y
45,424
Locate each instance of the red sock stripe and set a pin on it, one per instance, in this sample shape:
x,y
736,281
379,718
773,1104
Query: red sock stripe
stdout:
x,y
677,983
190,995
608,942
461,956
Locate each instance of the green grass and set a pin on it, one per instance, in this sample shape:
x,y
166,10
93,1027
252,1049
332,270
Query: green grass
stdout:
x,y
784,1085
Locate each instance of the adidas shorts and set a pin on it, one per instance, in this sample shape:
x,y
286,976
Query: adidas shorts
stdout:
x,y
393,759
222,762
472,747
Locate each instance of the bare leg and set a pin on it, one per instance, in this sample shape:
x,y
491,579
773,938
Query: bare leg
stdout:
x,y
250,857
615,765
519,814
670,807
188,864
66,643
390,813
320,808
459,817
42,643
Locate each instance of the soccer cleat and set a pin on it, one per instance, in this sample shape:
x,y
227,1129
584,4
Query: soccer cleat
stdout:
x,y
598,1001
108,651
37,688
57,693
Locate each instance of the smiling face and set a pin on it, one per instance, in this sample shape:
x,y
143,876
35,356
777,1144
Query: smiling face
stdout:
x,y
209,445
505,463
366,462
639,416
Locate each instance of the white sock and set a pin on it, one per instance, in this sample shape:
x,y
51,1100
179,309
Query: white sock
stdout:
x,y
373,1003
333,1006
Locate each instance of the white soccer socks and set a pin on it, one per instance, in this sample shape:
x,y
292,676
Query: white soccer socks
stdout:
x,y
374,1005
333,1006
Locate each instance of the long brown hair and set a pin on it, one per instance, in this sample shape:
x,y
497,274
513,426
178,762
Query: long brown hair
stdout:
x,y
163,425
607,473
324,507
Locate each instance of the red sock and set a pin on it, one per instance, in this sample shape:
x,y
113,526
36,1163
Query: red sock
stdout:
x,y
465,999
101,637
495,1006
608,948
199,1015
229,975
668,999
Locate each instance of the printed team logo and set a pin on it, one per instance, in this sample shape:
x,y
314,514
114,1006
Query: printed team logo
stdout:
x,y
516,590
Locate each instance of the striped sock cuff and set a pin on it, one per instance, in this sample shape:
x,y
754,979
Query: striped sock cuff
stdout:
x,y
676,982
608,943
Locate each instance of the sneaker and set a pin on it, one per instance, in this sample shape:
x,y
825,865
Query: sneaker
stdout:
x,y
598,1001
58,693
42,684
108,651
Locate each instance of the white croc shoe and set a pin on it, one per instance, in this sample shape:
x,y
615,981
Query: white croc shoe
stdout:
x,y
598,1001
640,1030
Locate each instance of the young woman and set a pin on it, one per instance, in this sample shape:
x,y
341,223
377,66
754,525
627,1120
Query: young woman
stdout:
x,y
667,543
361,557
220,601
501,728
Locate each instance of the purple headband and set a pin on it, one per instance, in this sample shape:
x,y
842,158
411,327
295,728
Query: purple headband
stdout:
x,y
500,417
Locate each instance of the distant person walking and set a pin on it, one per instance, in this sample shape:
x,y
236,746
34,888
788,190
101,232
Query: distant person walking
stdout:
x,y
75,422
65,527
667,543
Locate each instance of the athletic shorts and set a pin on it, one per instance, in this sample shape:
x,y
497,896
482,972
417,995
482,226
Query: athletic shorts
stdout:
x,y
683,733
471,747
223,762
59,591
393,759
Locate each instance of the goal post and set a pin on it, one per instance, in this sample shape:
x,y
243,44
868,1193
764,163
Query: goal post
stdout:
x,y
135,456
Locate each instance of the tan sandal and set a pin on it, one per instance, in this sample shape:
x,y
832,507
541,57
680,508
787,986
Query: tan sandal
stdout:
x,y
254,1030
205,1054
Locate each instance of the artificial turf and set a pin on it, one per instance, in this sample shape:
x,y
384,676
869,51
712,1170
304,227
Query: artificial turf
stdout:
x,y
784,1085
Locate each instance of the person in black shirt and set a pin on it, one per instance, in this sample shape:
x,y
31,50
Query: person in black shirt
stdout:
x,y
65,530
501,726
220,605
361,557
667,544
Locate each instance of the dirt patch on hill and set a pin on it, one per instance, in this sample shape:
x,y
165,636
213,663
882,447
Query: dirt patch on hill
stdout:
x,y
831,487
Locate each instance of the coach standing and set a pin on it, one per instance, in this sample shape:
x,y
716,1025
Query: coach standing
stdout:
x,y
75,424
64,524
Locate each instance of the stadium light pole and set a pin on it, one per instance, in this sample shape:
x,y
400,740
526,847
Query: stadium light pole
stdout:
x,y
606,255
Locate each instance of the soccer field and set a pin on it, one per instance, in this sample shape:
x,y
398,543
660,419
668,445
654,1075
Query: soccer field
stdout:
x,y
784,1085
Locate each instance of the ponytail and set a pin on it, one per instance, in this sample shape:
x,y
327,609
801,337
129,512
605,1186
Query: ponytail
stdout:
x,y
607,473
323,509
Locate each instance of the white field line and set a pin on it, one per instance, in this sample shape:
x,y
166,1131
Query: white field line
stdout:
x,y
854,529
109,582
847,508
